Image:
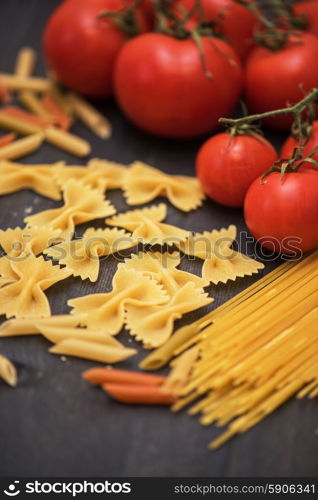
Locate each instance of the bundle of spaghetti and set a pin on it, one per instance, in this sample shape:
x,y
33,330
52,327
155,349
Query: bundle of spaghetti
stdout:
x,y
258,352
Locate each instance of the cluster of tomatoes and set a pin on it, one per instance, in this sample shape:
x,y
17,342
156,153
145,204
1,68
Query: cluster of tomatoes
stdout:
x,y
177,84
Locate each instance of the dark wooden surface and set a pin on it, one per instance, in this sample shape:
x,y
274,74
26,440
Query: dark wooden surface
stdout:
x,y
54,423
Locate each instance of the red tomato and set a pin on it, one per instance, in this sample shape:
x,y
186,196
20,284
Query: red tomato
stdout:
x,y
275,79
291,143
235,21
160,84
310,10
283,214
81,48
226,167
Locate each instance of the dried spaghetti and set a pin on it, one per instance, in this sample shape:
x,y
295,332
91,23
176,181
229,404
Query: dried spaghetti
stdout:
x,y
255,358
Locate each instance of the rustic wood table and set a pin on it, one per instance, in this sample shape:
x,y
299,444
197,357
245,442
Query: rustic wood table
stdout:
x,y
54,423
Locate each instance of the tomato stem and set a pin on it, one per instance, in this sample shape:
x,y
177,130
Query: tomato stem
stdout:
x,y
296,109
125,19
291,164
277,32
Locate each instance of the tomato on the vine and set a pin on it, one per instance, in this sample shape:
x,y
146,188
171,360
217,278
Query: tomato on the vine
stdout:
x,y
234,21
291,143
81,48
275,79
226,166
309,10
161,86
282,213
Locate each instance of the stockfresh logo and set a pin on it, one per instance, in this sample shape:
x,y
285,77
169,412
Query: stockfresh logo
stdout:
x,y
12,490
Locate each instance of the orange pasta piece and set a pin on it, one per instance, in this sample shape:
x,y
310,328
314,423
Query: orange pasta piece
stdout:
x,y
138,394
100,375
60,117
4,93
27,117
7,139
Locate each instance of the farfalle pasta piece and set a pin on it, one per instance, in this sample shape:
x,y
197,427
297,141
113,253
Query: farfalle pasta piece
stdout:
x,y
39,178
146,225
7,274
25,298
153,325
89,177
113,173
221,263
81,256
229,265
27,240
107,310
163,268
205,245
144,183
81,204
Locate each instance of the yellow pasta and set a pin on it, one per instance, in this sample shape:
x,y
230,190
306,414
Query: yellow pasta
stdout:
x,y
81,204
260,354
163,268
89,115
8,122
162,355
30,100
181,370
90,178
221,263
144,183
7,371
17,82
67,141
113,173
20,326
107,310
27,240
92,350
82,256
39,178
25,62
56,335
153,325
25,298
21,147
146,226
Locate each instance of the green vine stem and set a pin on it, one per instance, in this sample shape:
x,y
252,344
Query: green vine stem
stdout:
x,y
275,36
297,110
125,19
291,164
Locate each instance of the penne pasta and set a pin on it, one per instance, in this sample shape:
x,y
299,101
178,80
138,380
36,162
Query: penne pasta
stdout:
x,y
18,124
60,99
21,147
7,139
29,99
22,326
17,82
57,334
92,350
89,115
25,62
27,117
69,142
7,371
61,119
102,375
